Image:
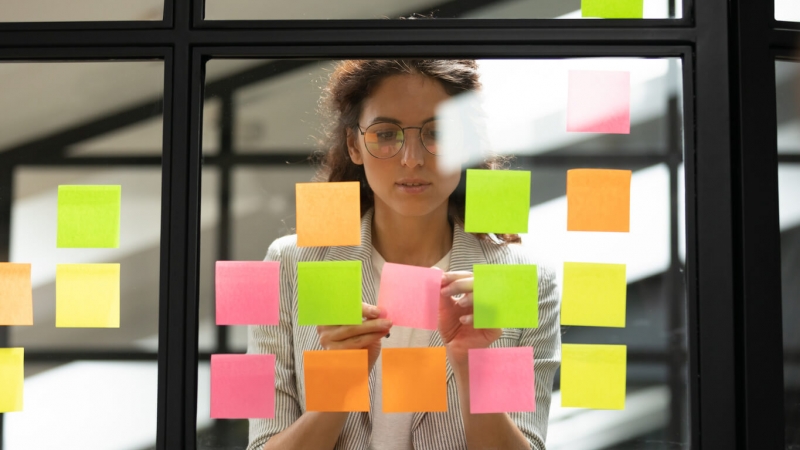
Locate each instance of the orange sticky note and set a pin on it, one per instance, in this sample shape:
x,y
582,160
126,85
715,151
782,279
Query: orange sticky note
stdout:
x,y
336,380
16,297
328,214
598,200
414,379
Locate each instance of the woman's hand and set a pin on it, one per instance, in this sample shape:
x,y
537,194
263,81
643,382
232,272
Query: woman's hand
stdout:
x,y
365,336
456,318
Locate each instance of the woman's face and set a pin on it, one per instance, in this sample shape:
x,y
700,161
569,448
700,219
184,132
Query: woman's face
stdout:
x,y
408,183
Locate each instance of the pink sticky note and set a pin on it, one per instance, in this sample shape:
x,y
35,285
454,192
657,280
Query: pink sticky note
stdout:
x,y
599,102
242,386
410,294
501,380
248,292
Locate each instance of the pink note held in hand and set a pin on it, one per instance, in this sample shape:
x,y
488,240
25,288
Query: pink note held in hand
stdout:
x,y
599,102
501,380
410,294
248,292
242,386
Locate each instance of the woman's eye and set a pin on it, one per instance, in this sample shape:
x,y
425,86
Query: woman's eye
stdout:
x,y
386,135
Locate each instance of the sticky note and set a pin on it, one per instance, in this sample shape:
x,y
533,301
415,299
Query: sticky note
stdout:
x,y
329,293
16,294
613,9
328,214
599,101
242,386
12,376
88,216
599,200
410,295
593,376
594,295
498,201
501,380
506,296
247,292
336,380
87,295
414,379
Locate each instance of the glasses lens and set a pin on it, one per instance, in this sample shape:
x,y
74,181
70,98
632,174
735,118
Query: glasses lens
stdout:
x,y
428,135
383,140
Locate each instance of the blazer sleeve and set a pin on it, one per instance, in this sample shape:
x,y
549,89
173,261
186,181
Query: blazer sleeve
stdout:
x,y
546,343
279,341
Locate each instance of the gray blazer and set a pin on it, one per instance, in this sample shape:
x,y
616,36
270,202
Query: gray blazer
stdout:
x,y
444,430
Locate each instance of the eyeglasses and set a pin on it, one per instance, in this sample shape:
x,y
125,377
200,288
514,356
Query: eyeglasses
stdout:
x,y
385,139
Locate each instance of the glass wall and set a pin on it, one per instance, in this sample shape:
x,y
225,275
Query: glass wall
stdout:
x,y
788,115
269,125
90,380
427,9
80,10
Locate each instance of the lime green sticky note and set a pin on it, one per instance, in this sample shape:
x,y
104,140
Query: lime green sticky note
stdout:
x,y
329,293
594,295
613,9
12,376
506,296
88,216
498,201
87,295
593,376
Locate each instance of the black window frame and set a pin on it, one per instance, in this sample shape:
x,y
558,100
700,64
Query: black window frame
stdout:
x,y
733,252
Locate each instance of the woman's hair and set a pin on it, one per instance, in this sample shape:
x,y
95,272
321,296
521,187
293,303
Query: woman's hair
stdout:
x,y
352,82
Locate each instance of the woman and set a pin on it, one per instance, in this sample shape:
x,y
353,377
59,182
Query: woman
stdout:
x,y
382,133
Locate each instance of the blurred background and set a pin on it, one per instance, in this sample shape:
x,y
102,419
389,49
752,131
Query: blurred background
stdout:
x,y
101,123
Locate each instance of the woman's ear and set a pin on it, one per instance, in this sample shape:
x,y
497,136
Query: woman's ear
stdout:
x,y
352,148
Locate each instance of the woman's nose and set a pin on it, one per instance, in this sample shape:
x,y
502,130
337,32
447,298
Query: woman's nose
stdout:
x,y
413,153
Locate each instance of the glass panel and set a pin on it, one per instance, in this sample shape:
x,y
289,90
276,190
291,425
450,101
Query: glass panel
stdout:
x,y
274,125
787,10
71,124
789,188
80,10
787,74
419,9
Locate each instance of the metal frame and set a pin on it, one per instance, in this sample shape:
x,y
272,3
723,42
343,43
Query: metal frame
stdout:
x,y
733,286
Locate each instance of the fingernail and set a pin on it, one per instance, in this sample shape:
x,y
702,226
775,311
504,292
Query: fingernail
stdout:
x,y
386,323
374,310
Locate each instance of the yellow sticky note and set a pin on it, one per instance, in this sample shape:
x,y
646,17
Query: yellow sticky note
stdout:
x,y
16,298
12,375
87,295
593,376
594,295
328,214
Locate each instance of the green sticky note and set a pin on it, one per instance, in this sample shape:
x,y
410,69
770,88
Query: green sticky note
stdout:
x,y
12,378
593,376
613,9
594,295
88,216
506,296
329,293
498,201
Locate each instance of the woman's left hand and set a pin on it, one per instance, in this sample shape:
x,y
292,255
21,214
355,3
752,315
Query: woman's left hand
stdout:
x,y
456,317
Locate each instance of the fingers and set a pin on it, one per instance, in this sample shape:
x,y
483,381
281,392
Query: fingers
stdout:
x,y
449,277
356,342
468,319
462,285
328,335
372,312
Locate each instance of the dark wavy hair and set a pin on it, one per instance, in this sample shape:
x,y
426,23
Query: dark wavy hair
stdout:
x,y
352,82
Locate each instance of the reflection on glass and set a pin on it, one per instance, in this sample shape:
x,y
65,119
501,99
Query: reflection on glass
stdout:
x,y
274,126
789,190
416,9
787,74
66,112
787,10
80,10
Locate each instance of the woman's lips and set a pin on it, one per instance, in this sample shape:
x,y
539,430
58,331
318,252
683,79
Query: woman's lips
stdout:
x,y
412,187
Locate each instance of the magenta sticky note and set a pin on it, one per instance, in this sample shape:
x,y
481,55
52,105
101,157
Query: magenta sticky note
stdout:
x,y
248,292
242,386
501,380
410,294
599,102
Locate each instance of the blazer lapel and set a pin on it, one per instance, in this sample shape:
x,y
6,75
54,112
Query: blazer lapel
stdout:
x,y
362,253
466,251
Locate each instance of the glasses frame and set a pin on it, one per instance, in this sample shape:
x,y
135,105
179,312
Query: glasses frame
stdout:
x,y
403,129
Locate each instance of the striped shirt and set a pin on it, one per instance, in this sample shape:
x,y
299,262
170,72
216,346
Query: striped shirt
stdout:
x,y
437,431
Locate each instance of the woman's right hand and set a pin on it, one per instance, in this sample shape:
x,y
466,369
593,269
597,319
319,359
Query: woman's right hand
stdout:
x,y
365,336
